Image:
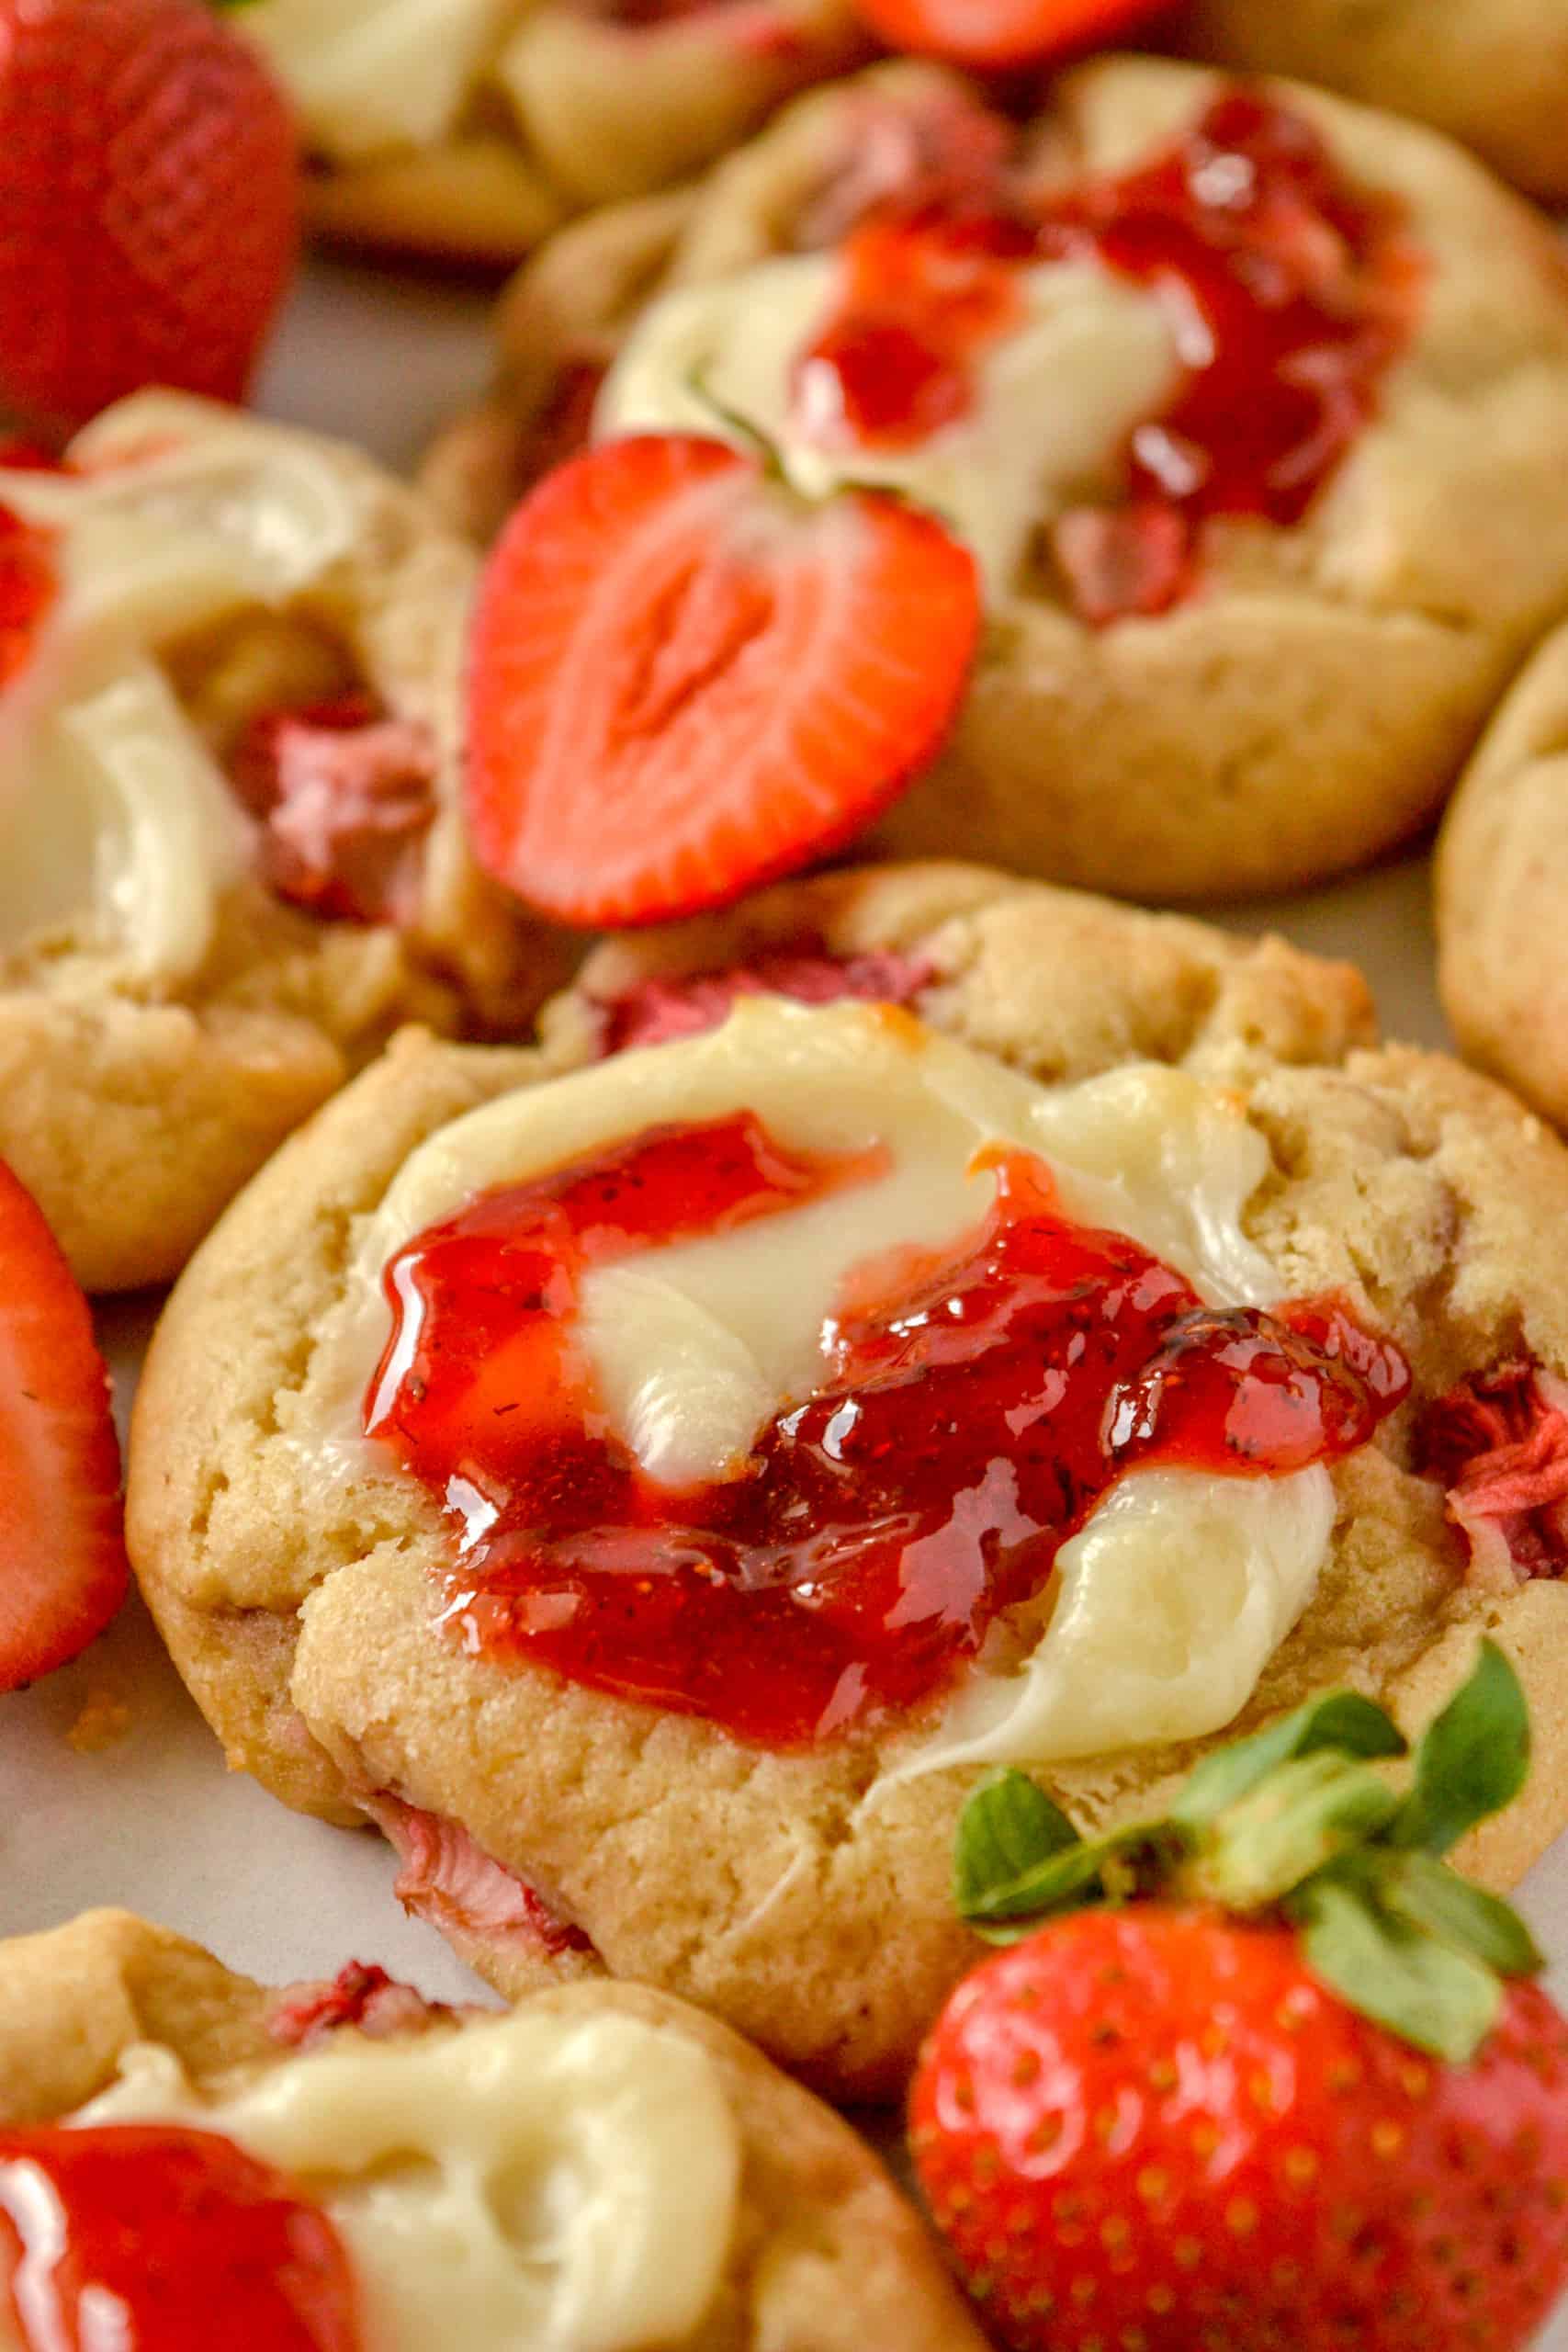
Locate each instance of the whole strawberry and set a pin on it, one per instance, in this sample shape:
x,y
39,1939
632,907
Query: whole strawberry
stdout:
x,y
1341,2121
149,200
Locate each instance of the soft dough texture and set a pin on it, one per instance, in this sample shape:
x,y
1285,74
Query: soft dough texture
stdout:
x,y
1502,891
136,1106
1313,701
521,119
1492,72
299,1612
827,2257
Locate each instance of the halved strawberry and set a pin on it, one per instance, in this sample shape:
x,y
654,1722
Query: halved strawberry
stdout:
x,y
1005,32
685,681
63,1564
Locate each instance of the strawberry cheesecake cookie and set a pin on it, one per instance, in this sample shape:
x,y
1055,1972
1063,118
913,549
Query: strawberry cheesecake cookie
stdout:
x,y
922,1323
343,2167
231,857
1502,891
1249,405
468,130
1492,72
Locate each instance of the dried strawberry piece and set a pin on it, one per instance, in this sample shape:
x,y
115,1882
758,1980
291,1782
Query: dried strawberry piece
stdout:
x,y
1120,560
346,792
1498,1442
454,1884
656,1011
362,1995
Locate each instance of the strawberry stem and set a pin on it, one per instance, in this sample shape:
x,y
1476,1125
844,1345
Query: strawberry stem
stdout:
x,y
1302,1822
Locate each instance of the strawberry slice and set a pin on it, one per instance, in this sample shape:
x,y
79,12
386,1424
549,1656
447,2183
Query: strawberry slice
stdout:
x,y
62,1565
1005,32
685,681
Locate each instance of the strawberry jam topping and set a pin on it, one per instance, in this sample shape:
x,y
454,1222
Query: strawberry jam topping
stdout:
x,y
345,794
153,2238
29,586
975,1405
656,1011
1290,293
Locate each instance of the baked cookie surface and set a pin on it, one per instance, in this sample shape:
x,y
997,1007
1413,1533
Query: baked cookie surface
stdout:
x,y
556,1830
803,2243
1492,72
470,133
231,858
1502,891
1298,695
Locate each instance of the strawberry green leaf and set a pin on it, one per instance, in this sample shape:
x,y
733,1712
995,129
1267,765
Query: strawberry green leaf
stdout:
x,y
1426,1895
1440,1999
1007,1829
1020,1860
1342,1720
1473,1759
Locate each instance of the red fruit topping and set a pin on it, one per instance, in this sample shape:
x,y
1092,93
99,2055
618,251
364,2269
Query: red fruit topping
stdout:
x,y
152,2238
62,1567
148,190
361,1995
1498,1442
1005,32
1293,293
656,1011
27,590
975,1405
454,1884
685,683
1158,2127
346,794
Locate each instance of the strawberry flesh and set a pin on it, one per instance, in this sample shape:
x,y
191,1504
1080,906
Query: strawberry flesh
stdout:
x,y
685,683
64,1571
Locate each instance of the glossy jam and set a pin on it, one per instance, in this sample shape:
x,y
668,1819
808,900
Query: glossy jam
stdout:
x,y
974,1406
686,1004
345,794
153,2238
29,585
1291,292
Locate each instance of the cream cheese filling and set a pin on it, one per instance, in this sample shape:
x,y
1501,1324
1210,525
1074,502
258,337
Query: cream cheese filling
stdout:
x,y
1171,1598
377,76
1057,397
540,2184
114,814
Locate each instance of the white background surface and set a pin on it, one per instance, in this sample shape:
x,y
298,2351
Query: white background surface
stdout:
x,y
154,1821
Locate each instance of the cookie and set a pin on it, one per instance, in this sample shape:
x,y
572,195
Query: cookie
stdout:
x,y
1492,72
656,1798
743,2213
468,133
1501,876
232,855
1219,659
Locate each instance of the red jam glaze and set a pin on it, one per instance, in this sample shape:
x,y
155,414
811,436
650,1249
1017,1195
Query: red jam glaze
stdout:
x,y
975,1405
1292,292
656,1011
345,794
29,586
154,2238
